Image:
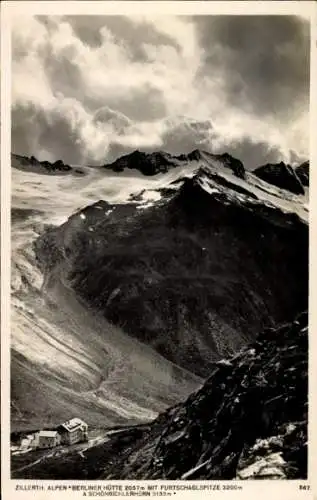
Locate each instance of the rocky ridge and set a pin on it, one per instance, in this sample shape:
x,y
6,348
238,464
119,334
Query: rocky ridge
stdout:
x,y
32,164
284,176
248,421
302,172
161,162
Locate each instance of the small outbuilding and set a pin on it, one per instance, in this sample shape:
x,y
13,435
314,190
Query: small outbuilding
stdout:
x,y
48,439
25,443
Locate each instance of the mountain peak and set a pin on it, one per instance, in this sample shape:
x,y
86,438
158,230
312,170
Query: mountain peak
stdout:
x,y
303,173
230,161
158,162
146,163
196,154
33,164
281,175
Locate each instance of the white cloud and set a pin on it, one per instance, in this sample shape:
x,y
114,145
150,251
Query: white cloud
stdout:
x,y
87,101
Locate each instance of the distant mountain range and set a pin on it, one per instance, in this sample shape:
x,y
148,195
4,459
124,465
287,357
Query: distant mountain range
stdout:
x,y
281,175
43,167
160,162
287,177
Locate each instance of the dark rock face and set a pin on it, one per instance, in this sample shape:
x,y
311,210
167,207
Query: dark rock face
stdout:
x,y
146,163
160,162
233,163
196,276
194,155
282,176
248,421
302,172
57,166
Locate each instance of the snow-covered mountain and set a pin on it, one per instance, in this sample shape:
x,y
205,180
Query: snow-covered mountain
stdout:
x,y
130,281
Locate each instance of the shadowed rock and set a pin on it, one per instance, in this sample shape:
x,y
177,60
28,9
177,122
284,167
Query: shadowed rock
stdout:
x,y
34,165
160,162
302,172
146,163
282,176
249,420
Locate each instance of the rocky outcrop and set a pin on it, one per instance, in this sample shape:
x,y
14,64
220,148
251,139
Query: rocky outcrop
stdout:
x,y
233,163
146,163
160,162
32,164
302,172
248,421
282,176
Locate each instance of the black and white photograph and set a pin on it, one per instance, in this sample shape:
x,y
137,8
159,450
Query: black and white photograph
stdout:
x,y
160,171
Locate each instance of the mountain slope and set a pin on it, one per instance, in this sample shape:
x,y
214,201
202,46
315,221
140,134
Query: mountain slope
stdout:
x,y
58,167
161,162
65,358
248,421
302,172
195,274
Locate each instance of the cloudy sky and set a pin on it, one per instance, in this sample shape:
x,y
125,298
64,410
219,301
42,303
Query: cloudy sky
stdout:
x,y
87,89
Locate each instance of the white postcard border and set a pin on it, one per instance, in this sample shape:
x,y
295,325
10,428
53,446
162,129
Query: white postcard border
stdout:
x,y
290,490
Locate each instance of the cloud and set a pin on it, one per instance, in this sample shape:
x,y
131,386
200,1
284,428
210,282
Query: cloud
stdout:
x,y
263,60
45,131
133,34
87,89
